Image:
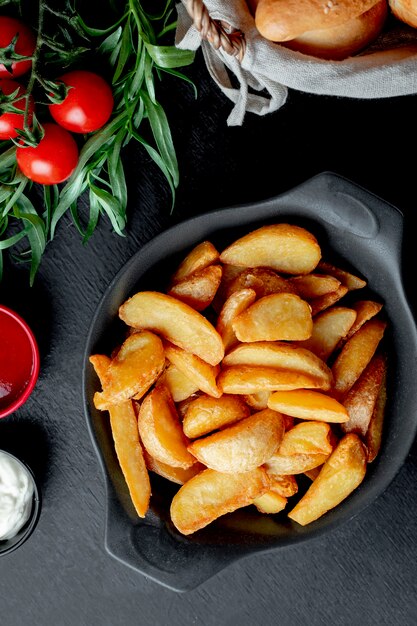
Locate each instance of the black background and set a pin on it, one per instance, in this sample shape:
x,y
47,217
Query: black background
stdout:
x,y
362,573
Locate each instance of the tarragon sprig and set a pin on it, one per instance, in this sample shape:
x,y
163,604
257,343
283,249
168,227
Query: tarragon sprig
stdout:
x,y
133,51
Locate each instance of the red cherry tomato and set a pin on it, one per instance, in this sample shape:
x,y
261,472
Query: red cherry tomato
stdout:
x,y
11,122
25,45
88,105
54,158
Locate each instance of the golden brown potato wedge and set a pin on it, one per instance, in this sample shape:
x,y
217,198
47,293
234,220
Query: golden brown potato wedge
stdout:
x,y
374,433
329,327
355,355
308,438
314,285
285,248
294,463
132,371
160,430
365,310
202,373
183,405
284,485
211,494
180,386
351,281
124,428
176,475
361,399
329,299
175,321
250,379
205,414
101,363
262,280
307,404
199,289
281,355
243,446
233,306
228,275
258,400
270,502
200,257
280,316
341,474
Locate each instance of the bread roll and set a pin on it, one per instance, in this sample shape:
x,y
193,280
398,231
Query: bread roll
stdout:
x,y
405,10
283,20
343,41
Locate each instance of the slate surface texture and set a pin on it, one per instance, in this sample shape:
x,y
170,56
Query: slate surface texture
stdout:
x,y
363,573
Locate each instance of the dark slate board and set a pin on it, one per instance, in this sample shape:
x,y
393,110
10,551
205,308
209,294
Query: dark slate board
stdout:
x,y
362,573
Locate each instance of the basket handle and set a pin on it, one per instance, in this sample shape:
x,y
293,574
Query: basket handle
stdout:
x,y
216,32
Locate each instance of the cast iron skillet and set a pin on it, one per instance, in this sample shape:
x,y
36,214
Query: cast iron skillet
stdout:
x,y
355,229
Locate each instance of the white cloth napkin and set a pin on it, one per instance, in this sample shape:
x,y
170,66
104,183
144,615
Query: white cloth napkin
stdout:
x,y
260,82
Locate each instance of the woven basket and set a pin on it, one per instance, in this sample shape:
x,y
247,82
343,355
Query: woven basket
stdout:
x,y
235,52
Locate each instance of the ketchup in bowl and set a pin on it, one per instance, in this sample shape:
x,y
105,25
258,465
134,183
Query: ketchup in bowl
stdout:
x,y
19,361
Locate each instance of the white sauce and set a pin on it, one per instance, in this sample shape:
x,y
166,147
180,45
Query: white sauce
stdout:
x,y
16,496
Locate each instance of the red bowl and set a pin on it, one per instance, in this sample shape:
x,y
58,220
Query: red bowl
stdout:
x,y
19,361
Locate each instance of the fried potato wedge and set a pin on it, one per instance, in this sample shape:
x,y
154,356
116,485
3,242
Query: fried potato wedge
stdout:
x,y
329,299
243,446
132,371
176,475
200,257
270,502
250,379
314,285
199,289
100,363
281,355
124,428
262,280
205,414
235,304
365,310
293,463
308,438
282,247
361,399
355,355
183,405
307,404
341,474
329,327
228,275
373,438
349,280
211,494
280,316
203,374
175,321
284,485
180,386
160,430
258,400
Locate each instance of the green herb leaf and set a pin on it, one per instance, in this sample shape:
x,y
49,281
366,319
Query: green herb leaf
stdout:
x,y
137,52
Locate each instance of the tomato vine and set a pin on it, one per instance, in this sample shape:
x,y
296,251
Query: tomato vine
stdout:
x,y
135,50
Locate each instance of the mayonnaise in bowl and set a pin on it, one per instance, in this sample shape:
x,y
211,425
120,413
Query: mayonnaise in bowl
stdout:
x,y
17,490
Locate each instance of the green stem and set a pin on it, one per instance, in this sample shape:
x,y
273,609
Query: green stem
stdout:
x,y
35,58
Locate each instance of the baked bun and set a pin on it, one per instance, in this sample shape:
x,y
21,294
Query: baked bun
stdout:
x,y
345,40
283,20
405,10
